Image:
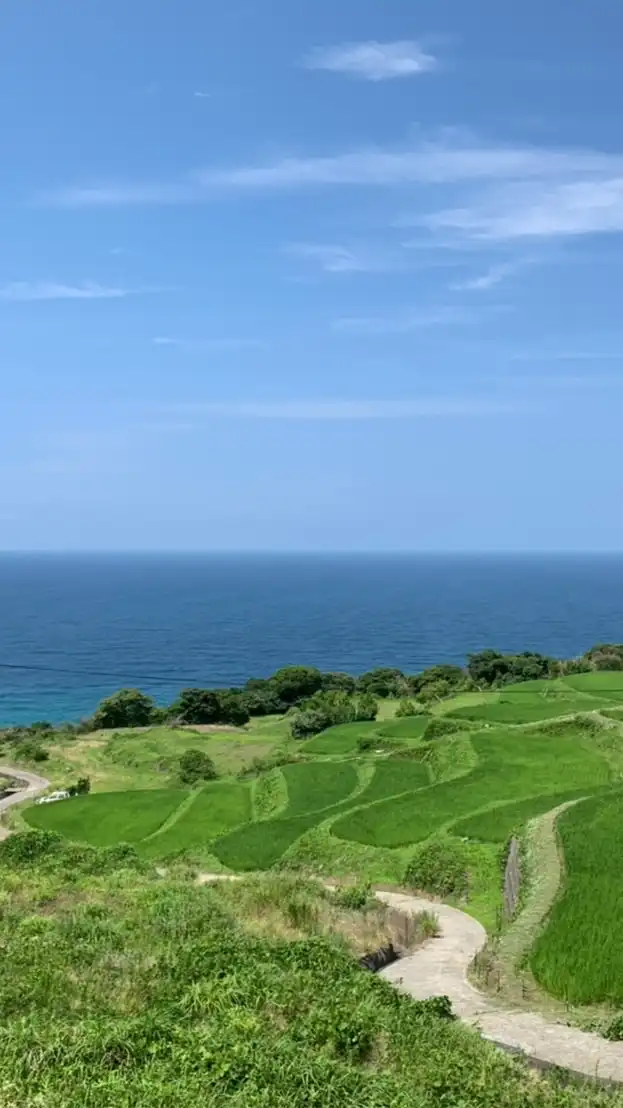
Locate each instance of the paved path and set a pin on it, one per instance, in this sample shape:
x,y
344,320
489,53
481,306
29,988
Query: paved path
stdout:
x,y
440,968
32,786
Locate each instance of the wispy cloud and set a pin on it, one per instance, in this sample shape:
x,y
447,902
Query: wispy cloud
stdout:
x,y
541,210
207,344
333,258
51,290
202,95
404,321
488,280
452,158
372,61
429,407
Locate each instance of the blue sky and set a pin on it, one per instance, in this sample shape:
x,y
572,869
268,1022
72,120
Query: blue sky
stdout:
x,y
311,275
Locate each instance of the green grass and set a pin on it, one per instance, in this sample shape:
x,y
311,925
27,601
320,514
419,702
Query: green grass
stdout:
x,y
528,709
213,811
259,846
602,684
315,785
103,819
578,957
341,739
510,765
122,989
497,824
393,776
408,727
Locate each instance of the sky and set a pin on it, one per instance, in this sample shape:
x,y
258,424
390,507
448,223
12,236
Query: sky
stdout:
x,y
311,275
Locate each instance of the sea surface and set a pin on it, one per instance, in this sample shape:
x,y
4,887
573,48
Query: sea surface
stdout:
x,y
73,628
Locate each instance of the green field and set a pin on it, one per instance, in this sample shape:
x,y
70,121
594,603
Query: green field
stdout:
x,y
315,785
509,765
496,825
394,776
341,739
103,819
212,811
604,685
578,957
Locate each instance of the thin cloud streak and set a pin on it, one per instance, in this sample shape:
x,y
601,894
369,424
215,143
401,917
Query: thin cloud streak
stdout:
x,y
372,61
545,210
430,407
403,322
493,276
333,258
448,159
50,290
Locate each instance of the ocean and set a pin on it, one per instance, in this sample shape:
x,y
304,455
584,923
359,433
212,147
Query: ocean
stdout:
x,y
73,628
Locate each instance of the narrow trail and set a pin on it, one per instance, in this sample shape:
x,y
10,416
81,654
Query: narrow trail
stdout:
x,y
33,785
440,968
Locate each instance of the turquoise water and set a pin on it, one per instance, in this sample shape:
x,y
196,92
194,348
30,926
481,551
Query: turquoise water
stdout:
x,y
78,627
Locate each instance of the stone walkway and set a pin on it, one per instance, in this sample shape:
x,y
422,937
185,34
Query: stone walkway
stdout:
x,y
440,968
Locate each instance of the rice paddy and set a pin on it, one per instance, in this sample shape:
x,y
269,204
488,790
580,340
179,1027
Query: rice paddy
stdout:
x,y
578,957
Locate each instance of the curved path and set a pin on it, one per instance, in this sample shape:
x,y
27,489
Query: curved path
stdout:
x,y
32,786
440,968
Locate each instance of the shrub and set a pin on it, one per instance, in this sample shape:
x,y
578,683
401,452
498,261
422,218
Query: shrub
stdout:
x,y
28,847
614,1030
440,726
439,867
409,708
194,766
31,751
207,706
126,708
354,897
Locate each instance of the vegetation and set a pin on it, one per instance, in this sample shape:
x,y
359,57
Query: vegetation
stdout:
x,y
196,765
579,955
103,819
119,988
440,867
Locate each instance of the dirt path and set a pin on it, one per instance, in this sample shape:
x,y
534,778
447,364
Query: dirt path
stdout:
x,y
32,786
440,968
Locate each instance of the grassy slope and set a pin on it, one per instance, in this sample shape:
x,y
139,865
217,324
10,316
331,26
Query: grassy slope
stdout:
x,y
143,993
213,811
579,955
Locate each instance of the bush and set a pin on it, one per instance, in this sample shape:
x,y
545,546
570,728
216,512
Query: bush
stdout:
x,y
408,708
28,847
81,788
31,751
327,709
205,706
354,897
194,766
614,1030
440,726
440,867
126,708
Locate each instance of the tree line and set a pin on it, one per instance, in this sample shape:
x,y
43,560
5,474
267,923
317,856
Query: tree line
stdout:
x,y
316,700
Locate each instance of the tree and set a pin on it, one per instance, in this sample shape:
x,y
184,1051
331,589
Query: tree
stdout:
x,y
342,681
295,683
454,675
196,766
83,786
210,706
408,708
383,682
126,708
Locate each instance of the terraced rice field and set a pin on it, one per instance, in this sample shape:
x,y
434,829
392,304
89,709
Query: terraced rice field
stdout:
x,y
103,819
508,767
579,954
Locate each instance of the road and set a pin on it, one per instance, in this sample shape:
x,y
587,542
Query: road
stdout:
x,y
32,786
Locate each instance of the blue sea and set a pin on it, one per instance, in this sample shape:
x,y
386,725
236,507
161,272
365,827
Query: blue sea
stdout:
x,y
73,628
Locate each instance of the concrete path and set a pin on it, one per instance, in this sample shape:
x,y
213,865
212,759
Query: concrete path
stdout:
x,y
32,786
439,968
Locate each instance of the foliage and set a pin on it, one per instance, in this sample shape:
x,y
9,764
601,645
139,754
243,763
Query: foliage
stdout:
x,y
206,706
30,750
408,708
327,709
126,708
384,682
439,727
453,676
214,810
340,681
194,766
393,776
497,825
357,897
614,1029
342,739
82,787
579,955
490,668
440,867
